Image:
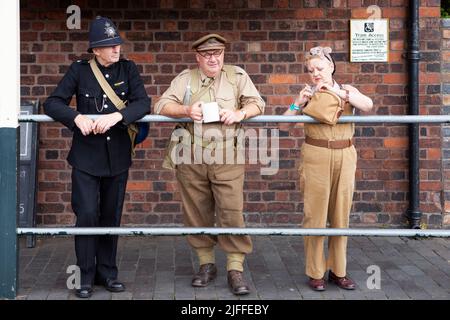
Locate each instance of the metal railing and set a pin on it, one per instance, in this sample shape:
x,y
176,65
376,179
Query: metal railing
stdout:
x,y
271,119
251,231
150,231
177,231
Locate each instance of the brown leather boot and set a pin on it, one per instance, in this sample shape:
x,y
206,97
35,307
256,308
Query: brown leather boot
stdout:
x,y
237,283
205,275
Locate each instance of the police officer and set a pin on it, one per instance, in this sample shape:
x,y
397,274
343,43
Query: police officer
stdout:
x,y
100,155
213,190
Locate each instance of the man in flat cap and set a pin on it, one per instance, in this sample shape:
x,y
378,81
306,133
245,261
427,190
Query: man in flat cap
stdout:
x,y
212,191
100,155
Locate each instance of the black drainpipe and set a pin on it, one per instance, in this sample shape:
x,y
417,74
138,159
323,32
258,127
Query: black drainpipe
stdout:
x,y
414,215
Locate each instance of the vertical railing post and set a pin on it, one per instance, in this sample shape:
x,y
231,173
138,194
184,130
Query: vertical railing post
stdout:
x,y
9,137
8,212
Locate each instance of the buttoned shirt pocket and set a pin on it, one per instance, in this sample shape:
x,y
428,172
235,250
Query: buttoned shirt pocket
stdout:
x,y
89,100
122,90
226,102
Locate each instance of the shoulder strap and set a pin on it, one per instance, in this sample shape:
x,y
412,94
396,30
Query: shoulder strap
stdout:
x,y
119,103
192,85
230,72
187,93
195,79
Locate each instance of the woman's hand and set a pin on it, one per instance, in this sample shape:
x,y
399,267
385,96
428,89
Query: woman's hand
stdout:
x,y
325,86
357,99
322,86
304,95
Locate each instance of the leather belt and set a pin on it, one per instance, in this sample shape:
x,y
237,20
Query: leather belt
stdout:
x,y
330,144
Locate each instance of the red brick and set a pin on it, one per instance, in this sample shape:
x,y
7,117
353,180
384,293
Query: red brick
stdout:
x,y
396,142
139,186
51,58
280,100
139,36
28,36
310,13
395,56
429,12
354,3
360,13
394,78
282,78
429,78
434,153
53,36
430,186
141,57
370,218
395,185
394,13
398,3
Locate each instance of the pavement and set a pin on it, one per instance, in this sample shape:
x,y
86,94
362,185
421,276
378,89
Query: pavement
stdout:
x,y
161,268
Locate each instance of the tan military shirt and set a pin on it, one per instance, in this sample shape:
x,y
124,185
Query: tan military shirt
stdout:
x,y
221,91
340,131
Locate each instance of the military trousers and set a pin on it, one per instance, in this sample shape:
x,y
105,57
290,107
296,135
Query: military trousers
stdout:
x,y
97,202
327,179
212,195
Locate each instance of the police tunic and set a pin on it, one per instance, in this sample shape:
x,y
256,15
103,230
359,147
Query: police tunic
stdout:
x,y
105,154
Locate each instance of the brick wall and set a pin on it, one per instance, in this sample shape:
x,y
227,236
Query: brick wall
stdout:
x,y
268,38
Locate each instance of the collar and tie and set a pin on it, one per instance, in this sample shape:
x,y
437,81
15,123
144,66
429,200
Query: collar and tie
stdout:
x,y
207,81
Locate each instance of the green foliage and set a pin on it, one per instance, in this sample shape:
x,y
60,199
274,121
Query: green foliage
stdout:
x,y
445,9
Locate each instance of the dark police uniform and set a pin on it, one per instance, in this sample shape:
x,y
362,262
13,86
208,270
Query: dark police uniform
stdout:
x,y
100,161
102,154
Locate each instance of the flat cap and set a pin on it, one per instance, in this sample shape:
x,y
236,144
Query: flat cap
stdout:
x,y
209,42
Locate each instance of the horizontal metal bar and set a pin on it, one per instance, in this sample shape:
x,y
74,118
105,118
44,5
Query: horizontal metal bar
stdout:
x,y
273,118
236,231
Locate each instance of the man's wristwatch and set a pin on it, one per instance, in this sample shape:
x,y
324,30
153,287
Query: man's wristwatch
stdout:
x,y
244,112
